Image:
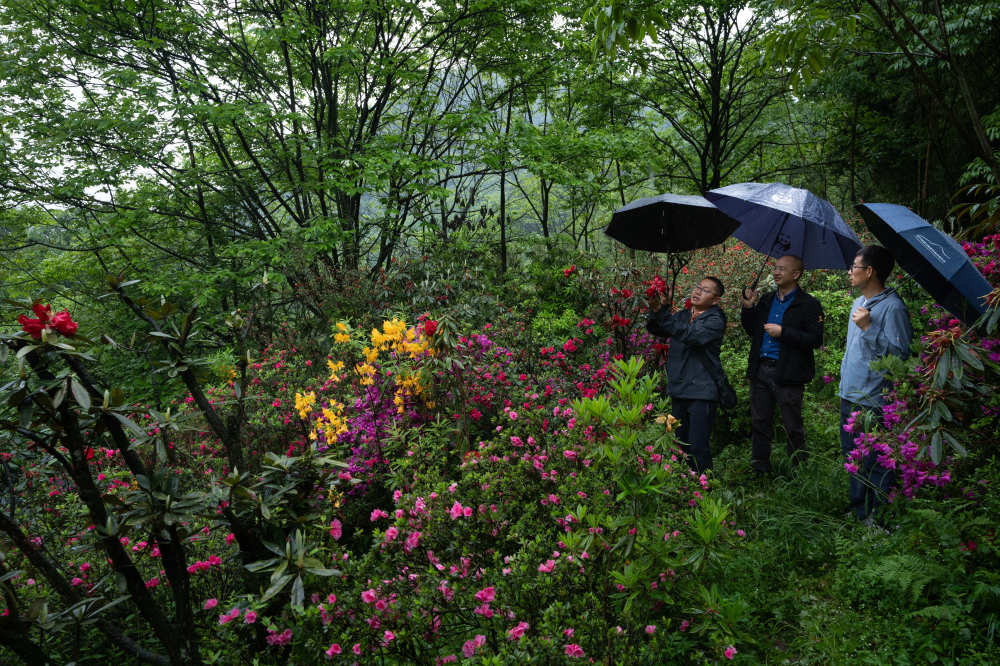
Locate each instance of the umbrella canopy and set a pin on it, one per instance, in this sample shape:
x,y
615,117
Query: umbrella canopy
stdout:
x,y
933,258
779,219
670,223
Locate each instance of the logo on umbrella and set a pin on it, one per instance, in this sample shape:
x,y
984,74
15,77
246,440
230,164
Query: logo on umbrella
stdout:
x,y
935,249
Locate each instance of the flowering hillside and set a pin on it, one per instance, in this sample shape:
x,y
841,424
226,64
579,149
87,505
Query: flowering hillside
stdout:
x,y
419,488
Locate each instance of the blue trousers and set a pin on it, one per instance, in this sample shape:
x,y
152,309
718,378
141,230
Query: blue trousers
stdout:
x,y
870,486
696,418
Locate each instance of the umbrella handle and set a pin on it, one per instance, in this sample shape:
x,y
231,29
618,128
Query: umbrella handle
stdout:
x,y
760,272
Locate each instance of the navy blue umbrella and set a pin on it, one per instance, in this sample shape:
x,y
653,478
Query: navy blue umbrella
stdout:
x,y
779,219
670,223
933,258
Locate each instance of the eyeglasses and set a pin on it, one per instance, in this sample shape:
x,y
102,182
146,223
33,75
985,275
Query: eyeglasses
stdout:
x,y
702,290
855,267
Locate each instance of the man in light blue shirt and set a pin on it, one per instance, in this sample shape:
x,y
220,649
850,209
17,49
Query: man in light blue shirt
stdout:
x,y
879,326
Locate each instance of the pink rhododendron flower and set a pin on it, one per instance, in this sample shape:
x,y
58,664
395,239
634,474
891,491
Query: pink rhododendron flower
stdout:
x,y
515,633
470,646
282,638
573,650
336,529
210,604
730,652
487,594
332,650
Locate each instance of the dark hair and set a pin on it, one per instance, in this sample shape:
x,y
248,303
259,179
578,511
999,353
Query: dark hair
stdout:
x,y
718,283
878,259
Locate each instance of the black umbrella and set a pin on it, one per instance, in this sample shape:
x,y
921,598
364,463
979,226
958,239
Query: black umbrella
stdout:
x,y
670,223
933,258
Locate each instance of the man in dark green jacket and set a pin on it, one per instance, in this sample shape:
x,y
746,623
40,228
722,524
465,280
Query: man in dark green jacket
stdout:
x,y
784,326
695,340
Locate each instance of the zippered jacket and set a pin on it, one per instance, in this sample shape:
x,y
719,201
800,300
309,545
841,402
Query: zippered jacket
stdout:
x,y
687,376
801,333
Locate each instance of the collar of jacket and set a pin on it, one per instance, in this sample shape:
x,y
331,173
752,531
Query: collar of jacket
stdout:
x,y
878,298
714,307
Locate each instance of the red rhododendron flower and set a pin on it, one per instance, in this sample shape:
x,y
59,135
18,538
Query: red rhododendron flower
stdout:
x,y
32,327
569,271
655,286
430,327
61,322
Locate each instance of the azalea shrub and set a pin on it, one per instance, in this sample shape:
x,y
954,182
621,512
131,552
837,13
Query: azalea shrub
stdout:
x,y
456,482
413,462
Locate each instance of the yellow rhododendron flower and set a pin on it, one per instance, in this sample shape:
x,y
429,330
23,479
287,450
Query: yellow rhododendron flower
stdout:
x,y
304,403
335,367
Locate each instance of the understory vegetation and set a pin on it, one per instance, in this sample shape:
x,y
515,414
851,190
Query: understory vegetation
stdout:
x,y
482,482
312,346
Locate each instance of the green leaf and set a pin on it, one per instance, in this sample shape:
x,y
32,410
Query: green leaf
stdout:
x,y
961,450
130,424
25,350
10,574
298,592
80,394
936,447
260,565
277,586
322,572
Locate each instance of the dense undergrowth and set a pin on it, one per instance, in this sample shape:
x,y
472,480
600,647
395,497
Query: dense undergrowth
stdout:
x,y
461,467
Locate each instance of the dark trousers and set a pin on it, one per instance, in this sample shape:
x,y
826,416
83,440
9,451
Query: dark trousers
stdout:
x,y
765,394
696,418
870,486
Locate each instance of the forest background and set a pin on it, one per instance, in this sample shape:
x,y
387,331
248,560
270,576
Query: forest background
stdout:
x,y
227,195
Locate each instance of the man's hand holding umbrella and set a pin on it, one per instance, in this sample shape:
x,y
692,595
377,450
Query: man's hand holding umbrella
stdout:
x,y
862,317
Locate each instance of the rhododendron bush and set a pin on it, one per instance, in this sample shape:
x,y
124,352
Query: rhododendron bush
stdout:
x,y
420,494
420,487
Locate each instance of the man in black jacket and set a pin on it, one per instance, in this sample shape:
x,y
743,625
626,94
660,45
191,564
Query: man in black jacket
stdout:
x,y
785,327
695,340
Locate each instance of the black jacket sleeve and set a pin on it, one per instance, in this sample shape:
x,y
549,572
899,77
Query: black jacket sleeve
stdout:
x,y
748,317
656,322
701,331
808,332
